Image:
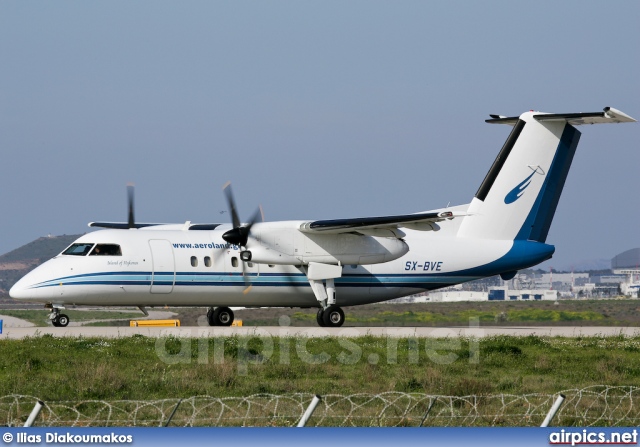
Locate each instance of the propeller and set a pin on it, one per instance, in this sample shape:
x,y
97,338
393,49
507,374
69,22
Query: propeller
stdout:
x,y
130,221
239,234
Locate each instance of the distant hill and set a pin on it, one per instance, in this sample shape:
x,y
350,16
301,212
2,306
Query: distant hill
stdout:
x,y
17,263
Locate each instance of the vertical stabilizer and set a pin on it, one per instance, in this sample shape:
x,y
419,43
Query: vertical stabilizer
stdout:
x,y
519,195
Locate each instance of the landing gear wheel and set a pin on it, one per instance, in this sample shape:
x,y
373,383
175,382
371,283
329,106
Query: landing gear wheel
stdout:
x,y
63,320
210,319
319,318
222,316
333,316
60,320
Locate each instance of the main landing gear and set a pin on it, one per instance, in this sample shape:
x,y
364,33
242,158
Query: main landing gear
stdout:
x,y
322,281
220,316
332,316
58,319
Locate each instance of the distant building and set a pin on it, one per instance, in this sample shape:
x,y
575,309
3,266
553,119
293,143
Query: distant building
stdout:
x,y
560,280
608,279
629,259
505,294
628,264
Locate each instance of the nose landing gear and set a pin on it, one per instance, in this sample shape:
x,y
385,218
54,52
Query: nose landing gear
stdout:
x,y
58,319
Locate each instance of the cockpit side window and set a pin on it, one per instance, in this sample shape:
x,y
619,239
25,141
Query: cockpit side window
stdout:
x,y
78,249
106,250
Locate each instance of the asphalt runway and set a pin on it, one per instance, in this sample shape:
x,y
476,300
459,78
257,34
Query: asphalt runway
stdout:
x,y
312,332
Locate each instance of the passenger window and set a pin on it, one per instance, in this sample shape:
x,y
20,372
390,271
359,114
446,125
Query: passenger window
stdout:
x,y
106,250
250,264
207,261
78,249
271,265
234,261
194,261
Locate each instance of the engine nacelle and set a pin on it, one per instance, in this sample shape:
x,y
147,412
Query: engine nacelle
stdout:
x,y
287,245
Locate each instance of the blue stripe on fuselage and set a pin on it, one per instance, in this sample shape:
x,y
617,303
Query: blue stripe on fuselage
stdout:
x,y
521,255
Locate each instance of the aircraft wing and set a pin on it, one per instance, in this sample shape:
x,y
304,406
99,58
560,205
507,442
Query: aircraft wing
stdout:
x,y
387,226
121,225
126,225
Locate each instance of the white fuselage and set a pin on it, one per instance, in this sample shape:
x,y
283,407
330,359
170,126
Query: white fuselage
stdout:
x,y
169,266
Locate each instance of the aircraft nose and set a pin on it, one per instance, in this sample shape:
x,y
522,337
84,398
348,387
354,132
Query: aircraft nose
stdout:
x,y
19,291
42,284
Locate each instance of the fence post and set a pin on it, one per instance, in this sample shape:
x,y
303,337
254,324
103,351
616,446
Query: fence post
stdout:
x,y
34,414
173,413
553,410
310,409
433,402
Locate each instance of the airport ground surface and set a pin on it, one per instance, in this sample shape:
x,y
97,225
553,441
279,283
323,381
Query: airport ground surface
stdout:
x,y
563,313
565,318
315,332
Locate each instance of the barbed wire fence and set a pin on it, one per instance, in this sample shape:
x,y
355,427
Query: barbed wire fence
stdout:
x,y
592,406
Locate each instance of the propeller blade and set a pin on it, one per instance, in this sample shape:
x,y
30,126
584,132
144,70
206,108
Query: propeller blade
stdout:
x,y
239,234
258,216
247,281
246,229
130,221
235,220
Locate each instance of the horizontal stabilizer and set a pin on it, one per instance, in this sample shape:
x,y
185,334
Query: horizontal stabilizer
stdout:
x,y
608,115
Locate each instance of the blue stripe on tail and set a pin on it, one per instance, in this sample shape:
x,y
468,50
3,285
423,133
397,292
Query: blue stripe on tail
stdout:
x,y
536,226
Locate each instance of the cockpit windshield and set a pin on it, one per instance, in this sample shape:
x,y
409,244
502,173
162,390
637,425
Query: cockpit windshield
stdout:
x,y
98,250
78,249
106,250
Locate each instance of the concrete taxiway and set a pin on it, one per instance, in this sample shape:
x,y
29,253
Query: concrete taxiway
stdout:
x,y
313,332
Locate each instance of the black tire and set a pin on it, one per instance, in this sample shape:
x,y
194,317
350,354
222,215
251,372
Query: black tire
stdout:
x,y
54,321
333,316
319,318
63,320
223,316
210,319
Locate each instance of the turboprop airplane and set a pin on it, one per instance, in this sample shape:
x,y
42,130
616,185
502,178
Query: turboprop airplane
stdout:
x,y
326,263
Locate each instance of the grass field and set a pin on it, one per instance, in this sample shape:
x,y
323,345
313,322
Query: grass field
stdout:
x,y
137,367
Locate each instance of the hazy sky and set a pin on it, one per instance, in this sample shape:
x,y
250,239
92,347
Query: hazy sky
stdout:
x,y
323,109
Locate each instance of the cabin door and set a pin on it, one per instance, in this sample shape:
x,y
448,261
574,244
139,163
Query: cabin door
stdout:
x,y
163,266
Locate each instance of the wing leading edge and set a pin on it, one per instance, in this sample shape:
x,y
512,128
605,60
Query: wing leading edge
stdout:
x,y
381,226
126,225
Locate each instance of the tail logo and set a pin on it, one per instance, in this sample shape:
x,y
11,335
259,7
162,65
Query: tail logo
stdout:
x,y
518,191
